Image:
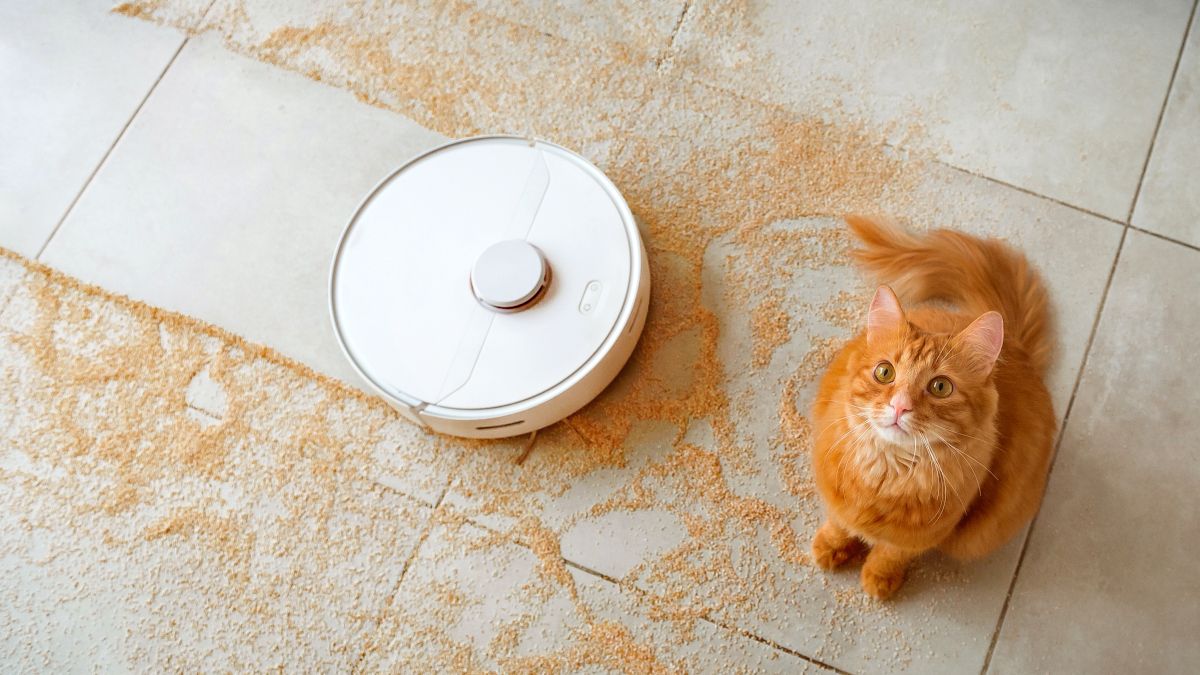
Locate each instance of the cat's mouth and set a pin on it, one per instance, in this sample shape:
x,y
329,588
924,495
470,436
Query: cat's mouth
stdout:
x,y
897,431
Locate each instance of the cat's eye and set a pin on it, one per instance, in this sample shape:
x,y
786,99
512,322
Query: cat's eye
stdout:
x,y
884,372
940,387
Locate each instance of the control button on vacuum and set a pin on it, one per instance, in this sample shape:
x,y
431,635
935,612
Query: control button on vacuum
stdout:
x,y
591,297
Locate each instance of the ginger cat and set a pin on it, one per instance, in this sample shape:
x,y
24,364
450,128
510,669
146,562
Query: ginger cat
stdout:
x,y
935,428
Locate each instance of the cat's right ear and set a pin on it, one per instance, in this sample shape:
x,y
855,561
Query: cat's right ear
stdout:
x,y
885,319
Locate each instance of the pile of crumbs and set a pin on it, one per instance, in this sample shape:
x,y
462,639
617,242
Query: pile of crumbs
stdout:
x,y
255,530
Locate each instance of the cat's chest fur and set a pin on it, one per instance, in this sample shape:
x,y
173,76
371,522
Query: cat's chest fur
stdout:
x,y
884,490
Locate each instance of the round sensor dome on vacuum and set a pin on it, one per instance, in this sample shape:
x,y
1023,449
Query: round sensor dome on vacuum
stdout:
x,y
509,274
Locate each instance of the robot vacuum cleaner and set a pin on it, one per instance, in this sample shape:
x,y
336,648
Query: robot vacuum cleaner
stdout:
x,y
491,286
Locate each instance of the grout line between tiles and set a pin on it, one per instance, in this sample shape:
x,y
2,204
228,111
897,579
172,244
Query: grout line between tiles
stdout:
x,y
902,147
585,568
775,645
1062,432
195,28
1164,237
1031,193
449,485
641,593
445,491
416,549
408,563
429,525
687,5
108,153
1187,31
733,629
211,415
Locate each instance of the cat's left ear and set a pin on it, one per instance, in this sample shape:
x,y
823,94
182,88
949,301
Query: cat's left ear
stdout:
x,y
981,341
885,319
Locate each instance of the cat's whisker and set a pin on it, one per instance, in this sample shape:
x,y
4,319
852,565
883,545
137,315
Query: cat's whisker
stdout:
x,y
941,482
862,436
946,483
945,441
861,433
942,351
974,475
941,485
859,428
913,458
906,459
957,433
842,418
942,439
912,470
951,485
848,404
936,475
856,427
834,400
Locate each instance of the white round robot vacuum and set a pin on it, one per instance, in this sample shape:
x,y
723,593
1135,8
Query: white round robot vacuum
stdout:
x,y
491,286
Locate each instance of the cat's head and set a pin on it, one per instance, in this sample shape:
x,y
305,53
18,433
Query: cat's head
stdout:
x,y
910,386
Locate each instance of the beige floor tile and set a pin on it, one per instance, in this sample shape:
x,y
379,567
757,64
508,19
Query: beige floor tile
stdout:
x,y
226,198
1060,98
1169,202
475,600
72,76
1110,579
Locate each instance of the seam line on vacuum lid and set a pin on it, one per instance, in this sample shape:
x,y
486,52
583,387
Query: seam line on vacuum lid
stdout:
x,y
533,195
537,182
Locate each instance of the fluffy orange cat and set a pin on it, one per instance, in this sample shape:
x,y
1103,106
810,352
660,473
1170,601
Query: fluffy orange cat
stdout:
x,y
935,428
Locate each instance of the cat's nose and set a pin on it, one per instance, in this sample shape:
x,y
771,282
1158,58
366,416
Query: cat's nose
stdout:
x,y
901,403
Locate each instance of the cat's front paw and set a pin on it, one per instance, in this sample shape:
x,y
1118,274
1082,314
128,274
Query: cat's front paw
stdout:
x,y
882,583
831,549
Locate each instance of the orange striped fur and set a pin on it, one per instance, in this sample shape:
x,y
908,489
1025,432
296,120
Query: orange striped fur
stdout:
x,y
903,470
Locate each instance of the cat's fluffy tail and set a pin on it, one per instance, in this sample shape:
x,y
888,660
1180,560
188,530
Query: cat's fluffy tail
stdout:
x,y
974,274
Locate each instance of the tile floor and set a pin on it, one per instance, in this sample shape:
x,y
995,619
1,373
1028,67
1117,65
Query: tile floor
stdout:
x,y
1085,79
172,170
